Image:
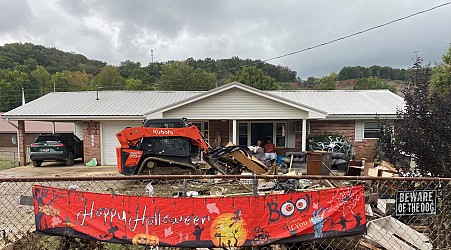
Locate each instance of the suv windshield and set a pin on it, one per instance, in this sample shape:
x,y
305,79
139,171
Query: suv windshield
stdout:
x,y
44,138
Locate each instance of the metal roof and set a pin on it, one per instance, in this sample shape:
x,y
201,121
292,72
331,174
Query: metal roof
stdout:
x,y
110,103
135,104
347,102
36,126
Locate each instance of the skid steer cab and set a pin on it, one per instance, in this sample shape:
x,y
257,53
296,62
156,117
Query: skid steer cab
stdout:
x,y
161,146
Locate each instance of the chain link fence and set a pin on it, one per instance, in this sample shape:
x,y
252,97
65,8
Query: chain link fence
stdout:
x,y
393,221
8,159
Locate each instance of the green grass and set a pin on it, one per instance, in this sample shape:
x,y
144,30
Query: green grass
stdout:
x,y
7,164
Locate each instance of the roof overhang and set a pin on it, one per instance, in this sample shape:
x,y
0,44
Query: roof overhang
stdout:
x,y
71,117
362,117
313,112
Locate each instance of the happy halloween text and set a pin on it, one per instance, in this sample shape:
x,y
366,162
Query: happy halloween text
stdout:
x,y
155,218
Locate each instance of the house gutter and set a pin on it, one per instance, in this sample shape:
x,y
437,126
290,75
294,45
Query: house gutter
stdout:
x,y
12,124
72,118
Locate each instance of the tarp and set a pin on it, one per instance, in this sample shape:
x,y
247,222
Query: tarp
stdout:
x,y
200,222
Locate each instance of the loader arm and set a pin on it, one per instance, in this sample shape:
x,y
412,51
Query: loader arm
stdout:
x,y
130,137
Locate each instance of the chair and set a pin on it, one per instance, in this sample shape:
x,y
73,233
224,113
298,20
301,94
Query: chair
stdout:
x,y
260,155
299,162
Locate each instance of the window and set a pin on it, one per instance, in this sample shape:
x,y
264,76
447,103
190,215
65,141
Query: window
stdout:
x,y
242,134
280,134
298,127
14,139
203,128
371,130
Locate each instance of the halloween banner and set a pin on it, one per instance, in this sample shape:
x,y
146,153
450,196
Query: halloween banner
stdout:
x,y
200,222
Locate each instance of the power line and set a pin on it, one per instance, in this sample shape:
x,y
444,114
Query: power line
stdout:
x,y
312,47
343,37
331,41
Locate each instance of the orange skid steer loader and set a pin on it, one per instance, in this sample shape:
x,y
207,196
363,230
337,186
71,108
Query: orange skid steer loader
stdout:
x,y
168,146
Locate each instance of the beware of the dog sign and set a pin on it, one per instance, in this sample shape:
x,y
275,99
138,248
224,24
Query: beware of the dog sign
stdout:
x,y
416,202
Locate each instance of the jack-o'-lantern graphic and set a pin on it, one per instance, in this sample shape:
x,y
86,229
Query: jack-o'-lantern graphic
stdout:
x,y
146,239
228,230
49,210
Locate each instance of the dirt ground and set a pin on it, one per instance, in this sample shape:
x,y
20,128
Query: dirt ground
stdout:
x,y
52,169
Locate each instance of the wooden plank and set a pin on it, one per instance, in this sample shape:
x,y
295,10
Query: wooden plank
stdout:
x,y
368,245
385,238
248,162
408,234
389,229
337,183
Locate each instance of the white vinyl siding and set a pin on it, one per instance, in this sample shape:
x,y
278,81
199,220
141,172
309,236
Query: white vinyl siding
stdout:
x,y
236,104
109,140
358,131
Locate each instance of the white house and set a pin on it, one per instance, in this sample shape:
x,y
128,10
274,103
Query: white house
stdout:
x,y
233,112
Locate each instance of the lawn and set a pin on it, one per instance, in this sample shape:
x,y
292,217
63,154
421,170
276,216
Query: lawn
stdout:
x,y
7,164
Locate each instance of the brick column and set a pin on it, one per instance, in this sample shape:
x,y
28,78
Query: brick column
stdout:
x,y
21,143
91,141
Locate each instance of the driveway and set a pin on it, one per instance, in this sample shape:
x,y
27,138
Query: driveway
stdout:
x,y
53,169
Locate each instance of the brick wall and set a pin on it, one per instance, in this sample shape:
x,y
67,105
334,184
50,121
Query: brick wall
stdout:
x,y
91,141
5,140
345,128
21,141
218,133
364,149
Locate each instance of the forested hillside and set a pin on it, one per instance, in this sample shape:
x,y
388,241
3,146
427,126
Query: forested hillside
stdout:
x,y
40,70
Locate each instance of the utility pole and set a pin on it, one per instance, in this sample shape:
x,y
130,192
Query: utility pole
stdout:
x,y
23,97
151,55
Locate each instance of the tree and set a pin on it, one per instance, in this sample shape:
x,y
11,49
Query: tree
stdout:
x,y
425,128
71,80
328,82
134,84
311,82
253,77
40,79
441,74
373,83
11,83
180,76
126,68
109,78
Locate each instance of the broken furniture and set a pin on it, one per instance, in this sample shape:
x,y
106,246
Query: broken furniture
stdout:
x,y
339,162
296,161
319,162
355,168
259,153
393,234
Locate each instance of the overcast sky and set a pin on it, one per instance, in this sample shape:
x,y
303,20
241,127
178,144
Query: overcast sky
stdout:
x,y
115,31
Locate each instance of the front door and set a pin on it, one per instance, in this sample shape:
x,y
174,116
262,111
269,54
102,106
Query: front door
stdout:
x,y
261,131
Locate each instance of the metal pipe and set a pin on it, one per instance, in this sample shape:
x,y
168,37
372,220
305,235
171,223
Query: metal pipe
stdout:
x,y
210,177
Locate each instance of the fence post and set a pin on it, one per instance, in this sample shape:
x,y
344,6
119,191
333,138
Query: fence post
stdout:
x,y
255,186
184,188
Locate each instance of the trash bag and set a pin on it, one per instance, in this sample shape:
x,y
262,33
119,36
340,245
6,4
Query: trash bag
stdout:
x,y
287,185
92,163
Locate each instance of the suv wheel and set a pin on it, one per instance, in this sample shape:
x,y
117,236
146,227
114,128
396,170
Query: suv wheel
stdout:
x,y
70,159
36,163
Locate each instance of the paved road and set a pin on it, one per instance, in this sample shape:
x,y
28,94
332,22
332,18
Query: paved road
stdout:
x,y
59,169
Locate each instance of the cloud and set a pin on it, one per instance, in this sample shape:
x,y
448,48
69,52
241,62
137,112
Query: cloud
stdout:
x,y
14,16
115,31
